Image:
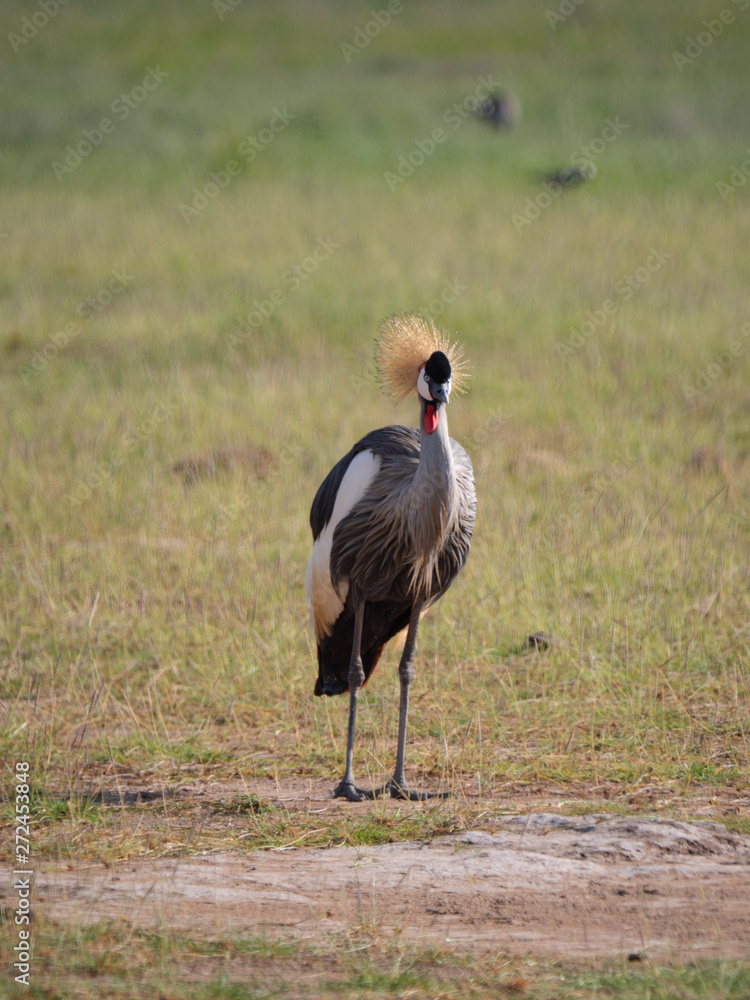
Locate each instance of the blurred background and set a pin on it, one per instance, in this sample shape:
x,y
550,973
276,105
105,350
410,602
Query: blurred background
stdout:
x,y
208,209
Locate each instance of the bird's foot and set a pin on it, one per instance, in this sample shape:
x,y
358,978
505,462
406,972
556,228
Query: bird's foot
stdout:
x,y
395,789
348,790
400,790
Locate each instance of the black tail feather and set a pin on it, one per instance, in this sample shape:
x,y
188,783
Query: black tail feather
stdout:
x,y
382,620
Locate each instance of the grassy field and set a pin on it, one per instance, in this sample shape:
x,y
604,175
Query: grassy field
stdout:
x,y
203,223
116,961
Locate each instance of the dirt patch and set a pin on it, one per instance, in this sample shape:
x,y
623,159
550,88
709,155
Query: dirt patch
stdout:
x,y
537,883
257,462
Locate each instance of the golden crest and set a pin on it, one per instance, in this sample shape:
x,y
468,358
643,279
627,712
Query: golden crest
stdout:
x,y
404,345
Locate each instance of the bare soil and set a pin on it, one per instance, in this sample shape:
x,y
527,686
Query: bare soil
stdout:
x,y
536,883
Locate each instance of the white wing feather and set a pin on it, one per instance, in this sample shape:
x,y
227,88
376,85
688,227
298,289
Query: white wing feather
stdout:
x,y
325,603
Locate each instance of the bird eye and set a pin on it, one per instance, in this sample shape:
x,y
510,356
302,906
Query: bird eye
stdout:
x,y
426,377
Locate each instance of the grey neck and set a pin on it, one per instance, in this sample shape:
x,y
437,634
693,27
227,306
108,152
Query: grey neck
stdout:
x,y
434,499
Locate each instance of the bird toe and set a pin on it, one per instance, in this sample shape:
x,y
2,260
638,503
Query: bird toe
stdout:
x,y
399,790
348,790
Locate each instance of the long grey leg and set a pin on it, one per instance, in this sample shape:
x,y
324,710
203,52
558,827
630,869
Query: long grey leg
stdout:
x,y
397,786
346,787
406,675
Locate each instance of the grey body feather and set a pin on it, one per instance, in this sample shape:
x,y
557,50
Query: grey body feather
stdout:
x,y
410,533
406,539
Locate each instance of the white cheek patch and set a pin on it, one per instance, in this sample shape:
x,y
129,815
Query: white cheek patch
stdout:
x,y
423,385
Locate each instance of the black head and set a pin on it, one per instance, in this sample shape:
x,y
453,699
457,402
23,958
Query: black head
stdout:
x,y
434,383
438,368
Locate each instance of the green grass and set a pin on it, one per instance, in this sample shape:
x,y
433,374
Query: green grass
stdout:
x,y
152,620
116,960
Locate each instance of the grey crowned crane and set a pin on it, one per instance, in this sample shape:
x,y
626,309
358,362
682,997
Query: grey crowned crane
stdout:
x,y
391,526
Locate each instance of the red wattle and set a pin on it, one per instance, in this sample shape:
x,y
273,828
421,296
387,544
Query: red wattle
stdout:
x,y
430,419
